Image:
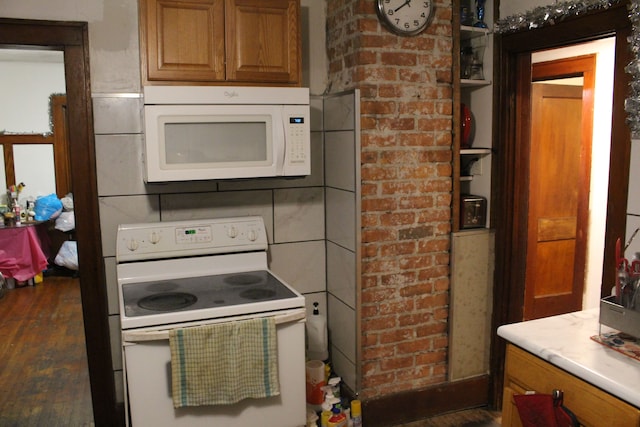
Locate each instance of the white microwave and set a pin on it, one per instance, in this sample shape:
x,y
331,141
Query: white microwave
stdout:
x,y
219,132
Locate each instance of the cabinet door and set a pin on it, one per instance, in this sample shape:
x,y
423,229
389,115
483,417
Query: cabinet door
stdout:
x,y
263,41
524,371
182,40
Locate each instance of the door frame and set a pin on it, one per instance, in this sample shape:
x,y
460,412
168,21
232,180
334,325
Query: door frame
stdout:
x,y
72,39
509,199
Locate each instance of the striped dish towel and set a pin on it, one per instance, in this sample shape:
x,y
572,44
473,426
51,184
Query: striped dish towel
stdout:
x,y
223,363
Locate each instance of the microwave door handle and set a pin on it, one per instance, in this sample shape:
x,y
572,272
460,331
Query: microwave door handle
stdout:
x,y
280,149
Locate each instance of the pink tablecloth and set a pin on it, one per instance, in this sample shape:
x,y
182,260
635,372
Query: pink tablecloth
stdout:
x,y
21,255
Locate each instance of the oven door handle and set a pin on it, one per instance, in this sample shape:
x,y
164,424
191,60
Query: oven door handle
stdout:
x,y
134,336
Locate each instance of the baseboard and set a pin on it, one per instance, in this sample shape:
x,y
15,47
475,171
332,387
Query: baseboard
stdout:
x,y
415,405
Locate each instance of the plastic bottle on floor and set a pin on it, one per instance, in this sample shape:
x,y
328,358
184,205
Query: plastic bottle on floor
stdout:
x,y
338,419
317,336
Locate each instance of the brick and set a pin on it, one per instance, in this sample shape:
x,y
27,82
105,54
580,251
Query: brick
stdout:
x,y
398,58
406,156
416,289
390,364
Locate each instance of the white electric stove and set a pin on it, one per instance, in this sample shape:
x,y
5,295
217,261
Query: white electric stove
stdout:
x,y
191,273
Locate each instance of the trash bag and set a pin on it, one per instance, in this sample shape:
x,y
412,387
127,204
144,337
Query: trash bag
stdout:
x,y
68,255
47,207
66,221
67,202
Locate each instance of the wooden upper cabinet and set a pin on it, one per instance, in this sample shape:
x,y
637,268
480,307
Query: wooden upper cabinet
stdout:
x,y
263,42
220,41
182,40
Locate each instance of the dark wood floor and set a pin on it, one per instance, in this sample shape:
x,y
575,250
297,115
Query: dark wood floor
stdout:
x,y
468,418
43,366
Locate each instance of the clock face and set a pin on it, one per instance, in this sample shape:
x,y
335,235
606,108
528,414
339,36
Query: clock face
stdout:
x,y
405,17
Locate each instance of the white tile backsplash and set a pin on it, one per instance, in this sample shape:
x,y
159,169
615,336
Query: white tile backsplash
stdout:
x,y
117,114
341,274
341,211
340,162
298,214
345,367
178,207
316,110
302,265
339,112
124,210
342,327
122,153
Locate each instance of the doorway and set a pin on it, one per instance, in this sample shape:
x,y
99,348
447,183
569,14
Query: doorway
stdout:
x,y
72,39
561,97
510,192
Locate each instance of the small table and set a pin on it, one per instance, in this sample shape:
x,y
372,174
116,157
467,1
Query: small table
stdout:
x,y
21,253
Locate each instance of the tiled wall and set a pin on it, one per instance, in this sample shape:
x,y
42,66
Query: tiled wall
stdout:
x,y
342,177
293,209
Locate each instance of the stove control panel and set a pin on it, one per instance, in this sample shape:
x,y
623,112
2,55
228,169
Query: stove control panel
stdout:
x,y
197,234
188,238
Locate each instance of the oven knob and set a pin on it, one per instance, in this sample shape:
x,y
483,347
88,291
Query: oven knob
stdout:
x,y
252,235
154,238
232,232
132,245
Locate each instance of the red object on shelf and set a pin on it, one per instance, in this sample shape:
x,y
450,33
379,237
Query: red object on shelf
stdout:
x,y
465,126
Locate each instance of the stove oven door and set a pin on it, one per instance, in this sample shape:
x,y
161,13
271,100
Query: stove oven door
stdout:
x,y
147,368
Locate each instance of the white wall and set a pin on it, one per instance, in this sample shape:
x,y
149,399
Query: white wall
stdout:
x,y
29,78
42,73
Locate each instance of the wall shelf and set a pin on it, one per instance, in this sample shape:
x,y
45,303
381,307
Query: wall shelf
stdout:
x,y
468,32
474,82
479,151
472,166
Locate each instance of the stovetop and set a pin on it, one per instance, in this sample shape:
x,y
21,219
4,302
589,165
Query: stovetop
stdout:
x,y
197,293
184,271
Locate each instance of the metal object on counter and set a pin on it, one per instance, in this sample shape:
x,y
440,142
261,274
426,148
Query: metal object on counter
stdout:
x,y
618,317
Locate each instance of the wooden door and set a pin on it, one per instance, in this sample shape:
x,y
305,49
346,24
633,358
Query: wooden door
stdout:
x,y
61,158
182,40
263,41
559,169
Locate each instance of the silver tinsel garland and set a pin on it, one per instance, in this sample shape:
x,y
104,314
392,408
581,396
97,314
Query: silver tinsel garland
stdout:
x,y
552,14
632,103
549,15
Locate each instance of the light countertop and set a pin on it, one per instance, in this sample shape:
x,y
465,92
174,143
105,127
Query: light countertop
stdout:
x,y
565,341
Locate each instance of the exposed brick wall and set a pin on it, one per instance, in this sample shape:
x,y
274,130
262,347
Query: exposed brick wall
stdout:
x,y
406,106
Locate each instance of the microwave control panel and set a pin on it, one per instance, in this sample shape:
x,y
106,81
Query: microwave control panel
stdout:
x,y
296,143
298,140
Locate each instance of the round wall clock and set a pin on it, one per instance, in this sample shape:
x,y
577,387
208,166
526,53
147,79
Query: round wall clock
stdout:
x,y
405,17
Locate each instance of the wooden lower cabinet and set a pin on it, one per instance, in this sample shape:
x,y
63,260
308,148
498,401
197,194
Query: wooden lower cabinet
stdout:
x,y
592,406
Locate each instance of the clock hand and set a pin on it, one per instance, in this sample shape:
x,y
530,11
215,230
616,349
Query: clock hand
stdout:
x,y
406,3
